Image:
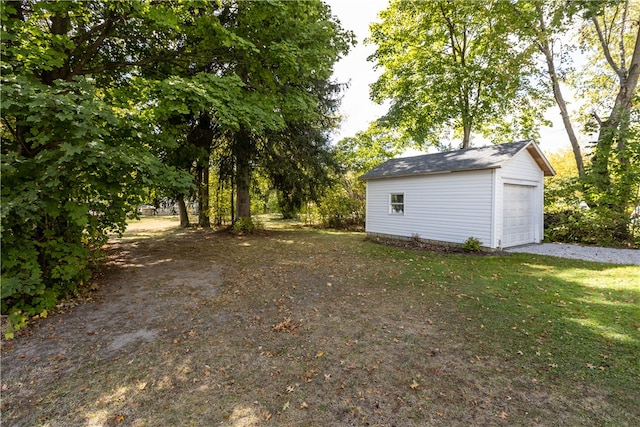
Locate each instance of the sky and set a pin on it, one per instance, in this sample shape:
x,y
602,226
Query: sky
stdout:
x,y
357,108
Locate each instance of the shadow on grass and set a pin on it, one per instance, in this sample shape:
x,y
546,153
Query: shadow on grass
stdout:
x,y
572,322
371,334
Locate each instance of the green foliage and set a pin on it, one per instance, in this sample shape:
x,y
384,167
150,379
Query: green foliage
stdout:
x,y
569,219
105,101
472,245
584,226
287,75
83,171
246,225
454,66
370,148
339,209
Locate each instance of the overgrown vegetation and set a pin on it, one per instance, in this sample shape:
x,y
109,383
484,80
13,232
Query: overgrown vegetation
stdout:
x,y
569,218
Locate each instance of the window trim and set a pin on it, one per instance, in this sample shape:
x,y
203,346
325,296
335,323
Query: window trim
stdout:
x,y
393,206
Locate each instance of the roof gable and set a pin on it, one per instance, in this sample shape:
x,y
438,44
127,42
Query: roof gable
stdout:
x,y
489,157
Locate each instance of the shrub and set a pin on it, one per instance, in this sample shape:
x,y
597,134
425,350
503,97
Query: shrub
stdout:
x,y
568,219
246,225
472,245
86,168
338,209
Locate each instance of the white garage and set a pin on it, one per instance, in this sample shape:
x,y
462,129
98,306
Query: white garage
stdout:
x,y
494,194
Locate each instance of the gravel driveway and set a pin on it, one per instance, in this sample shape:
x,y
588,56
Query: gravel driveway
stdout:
x,y
588,253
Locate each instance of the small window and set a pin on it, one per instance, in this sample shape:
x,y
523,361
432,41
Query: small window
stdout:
x,y
396,204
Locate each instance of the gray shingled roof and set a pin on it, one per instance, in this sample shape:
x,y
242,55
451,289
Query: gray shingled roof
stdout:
x,y
490,157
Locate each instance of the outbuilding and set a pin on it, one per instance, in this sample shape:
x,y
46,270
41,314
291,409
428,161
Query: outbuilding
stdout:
x,y
494,194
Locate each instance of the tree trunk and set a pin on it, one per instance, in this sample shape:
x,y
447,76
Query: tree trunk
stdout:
x,y
203,195
218,208
242,150
611,129
544,47
243,182
232,201
184,215
466,137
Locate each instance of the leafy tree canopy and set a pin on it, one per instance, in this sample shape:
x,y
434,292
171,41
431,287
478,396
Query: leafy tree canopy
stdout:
x,y
452,68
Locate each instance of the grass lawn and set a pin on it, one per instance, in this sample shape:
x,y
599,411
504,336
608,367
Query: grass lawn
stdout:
x,y
295,327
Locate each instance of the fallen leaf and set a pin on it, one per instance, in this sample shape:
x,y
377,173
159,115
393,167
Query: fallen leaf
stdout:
x,y
591,366
320,354
414,385
285,406
503,415
267,415
118,419
304,405
287,325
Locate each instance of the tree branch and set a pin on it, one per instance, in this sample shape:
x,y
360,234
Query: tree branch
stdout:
x,y
597,117
13,132
605,47
452,35
621,43
93,49
25,147
86,36
115,65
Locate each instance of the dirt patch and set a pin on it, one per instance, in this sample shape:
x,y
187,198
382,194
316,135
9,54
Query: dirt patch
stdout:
x,y
194,327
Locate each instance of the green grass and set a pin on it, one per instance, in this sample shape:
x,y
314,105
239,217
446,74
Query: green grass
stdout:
x,y
563,321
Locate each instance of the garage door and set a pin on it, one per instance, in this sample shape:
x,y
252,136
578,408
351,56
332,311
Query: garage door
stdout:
x,y
519,218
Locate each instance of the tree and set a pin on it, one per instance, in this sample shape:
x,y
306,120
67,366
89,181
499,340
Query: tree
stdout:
x,y
369,148
611,34
610,39
285,74
77,155
453,65
544,23
300,166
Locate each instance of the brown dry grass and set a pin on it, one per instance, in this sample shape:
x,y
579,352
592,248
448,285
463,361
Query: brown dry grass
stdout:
x,y
292,328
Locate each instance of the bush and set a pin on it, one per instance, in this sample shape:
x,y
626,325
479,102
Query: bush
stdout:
x,y
339,210
85,170
586,226
246,225
472,245
568,219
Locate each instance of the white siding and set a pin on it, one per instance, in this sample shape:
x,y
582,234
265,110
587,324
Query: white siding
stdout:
x,y
522,166
448,207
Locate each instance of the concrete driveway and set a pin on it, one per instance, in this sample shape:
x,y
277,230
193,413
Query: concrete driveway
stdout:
x,y
588,253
